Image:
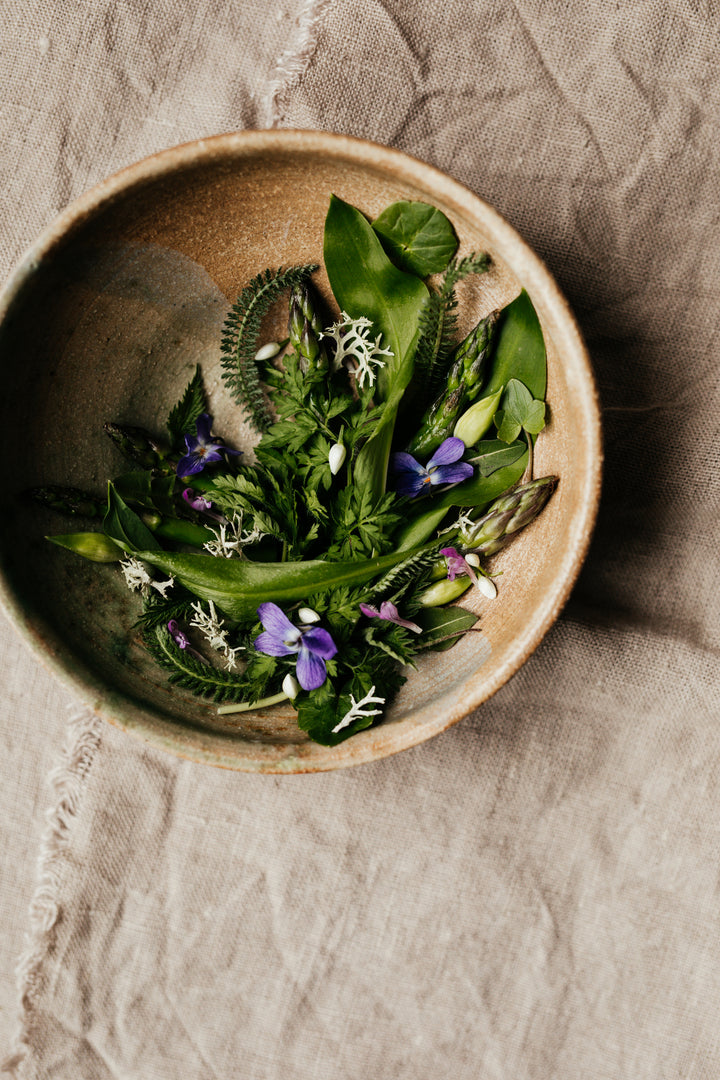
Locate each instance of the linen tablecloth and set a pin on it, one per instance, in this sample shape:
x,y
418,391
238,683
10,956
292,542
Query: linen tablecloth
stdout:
x,y
536,893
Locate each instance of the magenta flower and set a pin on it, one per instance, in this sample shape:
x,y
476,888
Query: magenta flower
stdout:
x,y
202,448
182,640
196,501
389,612
312,644
444,467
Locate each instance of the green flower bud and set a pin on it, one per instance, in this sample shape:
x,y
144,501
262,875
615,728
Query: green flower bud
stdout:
x,y
474,423
91,545
444,592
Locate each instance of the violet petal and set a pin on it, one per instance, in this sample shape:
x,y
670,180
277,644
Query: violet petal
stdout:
x,y
310,670
319,642
450,450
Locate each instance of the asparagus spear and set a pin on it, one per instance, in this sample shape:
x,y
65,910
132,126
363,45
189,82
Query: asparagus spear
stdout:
x,y
464,384
138,445
508,515
69,500
305,326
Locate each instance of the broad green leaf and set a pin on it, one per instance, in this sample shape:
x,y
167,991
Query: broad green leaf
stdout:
x,y
520,352
238,586
125,527
417,237
365,283
439,624
492,454
507,426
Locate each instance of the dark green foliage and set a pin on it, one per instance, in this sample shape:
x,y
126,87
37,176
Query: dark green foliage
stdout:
x,y
191,405
240,338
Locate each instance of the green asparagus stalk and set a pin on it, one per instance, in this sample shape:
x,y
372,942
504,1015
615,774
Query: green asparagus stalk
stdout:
x,y
69,500
138,445
305,326
508,515
464,385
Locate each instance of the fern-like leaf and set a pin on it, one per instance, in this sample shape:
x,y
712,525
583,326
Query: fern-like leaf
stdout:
x,y
187,671
406,573
192,404
438,324
240,338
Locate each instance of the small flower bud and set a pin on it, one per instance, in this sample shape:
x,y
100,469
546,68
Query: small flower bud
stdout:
x,y
308,616
267,352
486,587
336,457
290,686
472,558
444,592
474,423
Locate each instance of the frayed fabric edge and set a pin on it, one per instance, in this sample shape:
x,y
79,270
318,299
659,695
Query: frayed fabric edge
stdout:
x,y
295,61
67,780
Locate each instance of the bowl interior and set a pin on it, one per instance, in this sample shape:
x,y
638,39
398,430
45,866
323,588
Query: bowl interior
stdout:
x,y
105,321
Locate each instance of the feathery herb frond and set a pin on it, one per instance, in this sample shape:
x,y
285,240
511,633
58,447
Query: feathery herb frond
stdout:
x,y
187,671
406,573
438,323
240,338
191,405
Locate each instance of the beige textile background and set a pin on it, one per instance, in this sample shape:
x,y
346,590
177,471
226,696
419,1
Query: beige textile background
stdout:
x,y
534,894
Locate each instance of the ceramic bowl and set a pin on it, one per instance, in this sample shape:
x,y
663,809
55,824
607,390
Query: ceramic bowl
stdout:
x,y
105,319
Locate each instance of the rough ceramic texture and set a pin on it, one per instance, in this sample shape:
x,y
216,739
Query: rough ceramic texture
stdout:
x,y
106,318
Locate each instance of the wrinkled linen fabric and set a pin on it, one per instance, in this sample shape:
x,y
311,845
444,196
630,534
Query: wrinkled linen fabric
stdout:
x,y
535,893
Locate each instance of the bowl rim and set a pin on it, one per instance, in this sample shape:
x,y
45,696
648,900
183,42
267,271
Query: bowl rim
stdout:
x,y
218,748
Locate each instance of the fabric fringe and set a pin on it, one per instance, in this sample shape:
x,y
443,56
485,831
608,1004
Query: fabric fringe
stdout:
x,y
67,780
295,61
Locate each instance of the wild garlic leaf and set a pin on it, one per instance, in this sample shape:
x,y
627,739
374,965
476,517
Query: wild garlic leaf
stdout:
x,y
519,412
440,625
492,454
520,352
125,527
191,405
417,237
365,283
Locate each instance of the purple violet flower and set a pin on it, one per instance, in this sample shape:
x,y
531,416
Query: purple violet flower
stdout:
x,y
389,612
196,501
457,565
312,644
202,448
444,467
182,640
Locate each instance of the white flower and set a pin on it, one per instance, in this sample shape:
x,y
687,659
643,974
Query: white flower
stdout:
x,y
290,686
211,627
357,709
351,340
138,579
308,616
336,457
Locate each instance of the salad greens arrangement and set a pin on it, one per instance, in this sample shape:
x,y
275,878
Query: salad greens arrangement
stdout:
x,y
392,460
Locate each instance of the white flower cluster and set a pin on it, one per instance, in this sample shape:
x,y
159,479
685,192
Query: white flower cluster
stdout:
x,y
351,337
357,709
138,579
211,627
230,538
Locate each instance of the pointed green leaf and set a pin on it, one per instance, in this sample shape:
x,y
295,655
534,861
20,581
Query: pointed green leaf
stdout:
x,y
125,527
520,352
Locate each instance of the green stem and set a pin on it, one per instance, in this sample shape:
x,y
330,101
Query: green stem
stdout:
x,y
245,706
182,532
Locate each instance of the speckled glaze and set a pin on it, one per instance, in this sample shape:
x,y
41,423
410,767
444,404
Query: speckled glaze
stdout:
x,y
105,319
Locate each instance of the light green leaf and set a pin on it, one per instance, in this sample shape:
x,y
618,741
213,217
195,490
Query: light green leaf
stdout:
x,y
520,352
417,237
440,624
519,412
125,527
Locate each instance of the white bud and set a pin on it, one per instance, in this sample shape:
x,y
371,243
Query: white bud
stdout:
x,y
307,615
266,352
336,457
290,686
486,587
472,558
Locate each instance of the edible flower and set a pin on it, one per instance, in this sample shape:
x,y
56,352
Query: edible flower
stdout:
x,y
457,565
196,501
182,640
389,612
202,448
444,467
312,644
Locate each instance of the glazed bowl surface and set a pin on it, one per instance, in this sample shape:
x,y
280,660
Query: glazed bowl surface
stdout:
x,y
105,319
